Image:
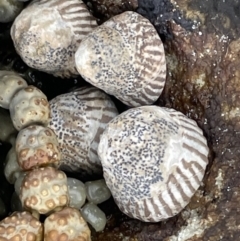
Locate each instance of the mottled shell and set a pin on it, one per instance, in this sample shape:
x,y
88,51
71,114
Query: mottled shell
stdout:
x,y
67,224
37,146
47,32
125,58
78,119
9,9
44,190
153,160
29,106
10,83
21,226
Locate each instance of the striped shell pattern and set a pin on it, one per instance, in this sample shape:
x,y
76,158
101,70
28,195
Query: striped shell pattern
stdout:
x,y
78,119
125,58
153,160
49,43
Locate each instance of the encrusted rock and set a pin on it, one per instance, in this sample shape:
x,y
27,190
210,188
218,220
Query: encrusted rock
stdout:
x,y
154,160
46,34
37,146
125,58
29,106
78,119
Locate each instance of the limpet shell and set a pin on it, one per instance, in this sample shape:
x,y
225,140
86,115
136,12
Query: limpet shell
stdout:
x,y
125,58
47,32
154,160
78,119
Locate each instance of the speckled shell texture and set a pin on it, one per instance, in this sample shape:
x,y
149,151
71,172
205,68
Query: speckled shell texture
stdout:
x,y
78,119
47,33
125,58
153,160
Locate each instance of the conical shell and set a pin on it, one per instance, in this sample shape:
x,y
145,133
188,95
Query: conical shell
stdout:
x,y
78,119
153,160
46,34
125,58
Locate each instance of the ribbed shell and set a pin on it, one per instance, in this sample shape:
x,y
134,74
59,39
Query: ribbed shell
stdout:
x,y
78,119
47,32
153,160
124,57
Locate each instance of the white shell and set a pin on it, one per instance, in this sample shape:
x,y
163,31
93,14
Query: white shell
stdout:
x,y
67,224
125,58
78,119
44,190
29,106
47,32
10,83
153,160
37,146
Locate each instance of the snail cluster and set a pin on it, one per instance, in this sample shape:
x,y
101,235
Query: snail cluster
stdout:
x,y
153,159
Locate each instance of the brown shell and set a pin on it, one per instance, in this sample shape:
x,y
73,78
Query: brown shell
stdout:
x,y
46,34
125,58
154,160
